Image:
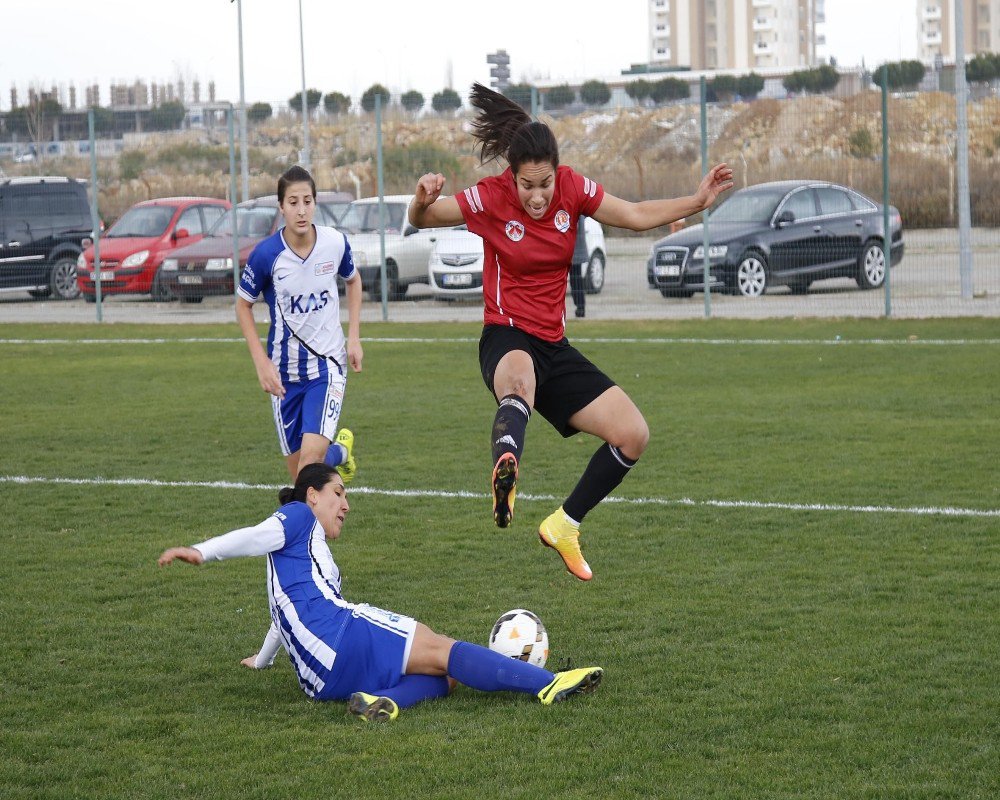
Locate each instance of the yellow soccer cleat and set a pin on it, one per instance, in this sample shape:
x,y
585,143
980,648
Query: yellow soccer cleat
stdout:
x,y
372,708
574,681
504,487
349,467
557,532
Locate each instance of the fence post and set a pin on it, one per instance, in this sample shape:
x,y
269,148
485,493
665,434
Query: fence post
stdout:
x,y
232,195
383,279
95,217
962,123
886,230
706,267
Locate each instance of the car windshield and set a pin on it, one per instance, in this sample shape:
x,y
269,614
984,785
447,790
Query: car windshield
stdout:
x,y
364,218
256,221
146,221
749,205
336,209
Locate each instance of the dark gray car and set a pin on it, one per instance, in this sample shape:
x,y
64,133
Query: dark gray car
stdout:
x,y
788,233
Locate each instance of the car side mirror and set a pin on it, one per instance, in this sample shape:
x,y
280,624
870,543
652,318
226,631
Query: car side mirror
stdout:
x,y
181,233
785,218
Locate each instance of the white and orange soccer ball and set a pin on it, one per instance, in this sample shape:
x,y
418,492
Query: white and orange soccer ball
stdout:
x,y
520,634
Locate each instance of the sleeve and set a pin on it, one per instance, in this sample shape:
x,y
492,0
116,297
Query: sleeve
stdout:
x,y
477,203
591,194
268,650
259,540
346,269
256,274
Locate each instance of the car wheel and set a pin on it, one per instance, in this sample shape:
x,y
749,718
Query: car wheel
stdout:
x,y
800,287
62,280
90,298
159,291
676,292
871,267
197,298
391,282
594,279
750,278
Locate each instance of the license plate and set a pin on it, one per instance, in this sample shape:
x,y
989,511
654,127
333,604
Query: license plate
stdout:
x,y
668,271
190,280
106,277
457,279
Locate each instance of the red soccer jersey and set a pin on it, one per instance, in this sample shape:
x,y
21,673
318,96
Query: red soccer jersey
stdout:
x,y
525,260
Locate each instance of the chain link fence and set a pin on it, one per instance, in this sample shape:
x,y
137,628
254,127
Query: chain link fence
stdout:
x,y
799,247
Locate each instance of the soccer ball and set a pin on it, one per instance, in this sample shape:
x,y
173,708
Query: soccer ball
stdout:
x,y
520,634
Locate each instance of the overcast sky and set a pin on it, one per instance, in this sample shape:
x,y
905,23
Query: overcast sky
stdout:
x,y
350,45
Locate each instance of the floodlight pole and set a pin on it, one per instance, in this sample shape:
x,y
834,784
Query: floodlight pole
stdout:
x,y
305,106
244,162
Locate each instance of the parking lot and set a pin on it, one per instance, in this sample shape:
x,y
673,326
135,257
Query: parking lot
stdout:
x,y
926,284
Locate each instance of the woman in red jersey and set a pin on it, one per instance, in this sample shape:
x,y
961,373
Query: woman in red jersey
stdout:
x,y
527,217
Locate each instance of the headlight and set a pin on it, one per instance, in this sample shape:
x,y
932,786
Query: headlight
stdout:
x,y
169,265
135,259
714,251
360,259
81,261
218,264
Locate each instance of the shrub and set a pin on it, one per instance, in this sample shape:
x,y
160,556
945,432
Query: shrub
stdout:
x,y
313,96
559,97
861,144
373,91
520,93
749,86
336,103
595,93
259,112
131,163
412,101
724,87
669,89
638,90
446,100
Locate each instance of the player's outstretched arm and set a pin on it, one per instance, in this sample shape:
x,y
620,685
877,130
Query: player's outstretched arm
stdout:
x,y
428,209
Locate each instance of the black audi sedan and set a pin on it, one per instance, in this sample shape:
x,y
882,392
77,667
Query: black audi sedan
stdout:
x,y
786,233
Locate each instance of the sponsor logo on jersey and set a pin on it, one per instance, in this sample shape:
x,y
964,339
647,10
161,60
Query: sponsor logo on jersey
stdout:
x,y
303,304
514,230
326,268
562,220
247,277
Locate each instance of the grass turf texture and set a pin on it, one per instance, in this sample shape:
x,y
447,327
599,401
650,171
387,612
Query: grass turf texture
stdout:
x,y
750,652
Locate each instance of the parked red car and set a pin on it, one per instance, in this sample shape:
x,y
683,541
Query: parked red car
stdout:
x,y
134,247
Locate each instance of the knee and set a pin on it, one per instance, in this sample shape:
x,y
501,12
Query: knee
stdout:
x,y
634,438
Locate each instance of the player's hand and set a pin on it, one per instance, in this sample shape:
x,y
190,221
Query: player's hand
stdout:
x,y
355,354
188,554
716,181
268,377
428,189
250,661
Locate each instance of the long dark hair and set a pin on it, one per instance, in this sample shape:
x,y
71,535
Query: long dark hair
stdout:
x,y
504,130
314,476
292,175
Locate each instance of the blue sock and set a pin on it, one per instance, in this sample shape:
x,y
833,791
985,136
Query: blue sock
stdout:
x,y
481,668
336,455
412,689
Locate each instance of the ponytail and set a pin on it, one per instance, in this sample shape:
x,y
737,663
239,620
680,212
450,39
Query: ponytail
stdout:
x,y
311,476
504,130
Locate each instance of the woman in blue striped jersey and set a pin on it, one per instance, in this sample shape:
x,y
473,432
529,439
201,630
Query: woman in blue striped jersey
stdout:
x,y
378,660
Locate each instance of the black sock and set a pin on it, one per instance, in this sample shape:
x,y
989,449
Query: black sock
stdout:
x,y
607,467
509,426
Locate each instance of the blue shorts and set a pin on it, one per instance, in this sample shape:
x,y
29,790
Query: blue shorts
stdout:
x,y
372,653
309,407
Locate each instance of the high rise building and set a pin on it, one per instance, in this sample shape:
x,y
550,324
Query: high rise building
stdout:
x,y
936,28
736,34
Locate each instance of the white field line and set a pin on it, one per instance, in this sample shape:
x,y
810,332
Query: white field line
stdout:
x,y
947,511
837,341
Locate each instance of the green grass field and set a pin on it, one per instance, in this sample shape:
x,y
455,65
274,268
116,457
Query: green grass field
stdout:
x,y
796,596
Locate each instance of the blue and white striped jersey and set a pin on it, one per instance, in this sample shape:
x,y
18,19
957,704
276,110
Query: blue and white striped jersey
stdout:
x,y
301,295
303,586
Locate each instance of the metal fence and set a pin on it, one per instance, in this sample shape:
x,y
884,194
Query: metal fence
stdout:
x,y
815,260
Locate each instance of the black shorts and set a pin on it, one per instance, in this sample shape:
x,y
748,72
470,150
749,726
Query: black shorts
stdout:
x,y
565,380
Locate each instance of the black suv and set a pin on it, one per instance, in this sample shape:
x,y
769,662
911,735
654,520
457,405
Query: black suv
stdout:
x,y
43,222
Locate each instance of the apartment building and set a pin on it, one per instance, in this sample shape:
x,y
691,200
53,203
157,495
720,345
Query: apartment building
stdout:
x,y
736,34
936,28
